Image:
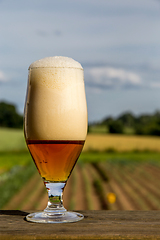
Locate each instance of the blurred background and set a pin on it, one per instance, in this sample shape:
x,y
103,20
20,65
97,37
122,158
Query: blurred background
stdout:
x,y
118,44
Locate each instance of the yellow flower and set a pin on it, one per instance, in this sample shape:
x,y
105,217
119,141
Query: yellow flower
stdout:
x,y
111,197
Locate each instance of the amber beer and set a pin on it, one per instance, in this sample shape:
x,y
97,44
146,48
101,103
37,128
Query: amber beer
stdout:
x,y
55,159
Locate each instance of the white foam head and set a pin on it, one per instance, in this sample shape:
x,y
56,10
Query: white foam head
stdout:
x,y
57,61
56,104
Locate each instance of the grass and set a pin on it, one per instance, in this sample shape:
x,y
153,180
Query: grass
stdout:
x,y
10,159
100,129
122,157
13,150
12,139
103,129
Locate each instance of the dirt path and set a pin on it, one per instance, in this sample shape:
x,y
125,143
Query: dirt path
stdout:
x,y
32,201
147,190
95,203
122,190
42,203
112,189
24,192
80,194
68,193
154,172
121,197
134,190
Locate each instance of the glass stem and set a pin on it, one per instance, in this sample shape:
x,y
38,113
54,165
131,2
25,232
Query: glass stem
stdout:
x,y
55,201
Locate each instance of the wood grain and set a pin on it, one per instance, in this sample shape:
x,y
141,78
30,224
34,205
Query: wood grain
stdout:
x,y
96,225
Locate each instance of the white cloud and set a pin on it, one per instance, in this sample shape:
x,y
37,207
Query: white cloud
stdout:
x,y
109,77
155,84
3,77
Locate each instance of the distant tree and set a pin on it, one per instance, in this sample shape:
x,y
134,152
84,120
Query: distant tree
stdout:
x,y
154,130
148,129
89,128
128,119
144,119
115,126
144,124
107,121
9,116
148,124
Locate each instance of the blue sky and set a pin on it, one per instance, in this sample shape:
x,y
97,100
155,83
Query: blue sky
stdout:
x,y
116,41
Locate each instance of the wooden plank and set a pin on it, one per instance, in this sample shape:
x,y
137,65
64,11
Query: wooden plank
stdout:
x,y
96,225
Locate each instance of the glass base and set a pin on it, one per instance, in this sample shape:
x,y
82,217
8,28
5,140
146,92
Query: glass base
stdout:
x,y
43,217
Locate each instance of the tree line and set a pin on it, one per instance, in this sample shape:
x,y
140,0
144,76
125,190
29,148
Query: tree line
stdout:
x,y
9,116
126,123
145,124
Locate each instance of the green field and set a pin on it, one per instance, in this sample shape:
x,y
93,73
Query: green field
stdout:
x,y
123,174
94,156
13,150
16,165
11,140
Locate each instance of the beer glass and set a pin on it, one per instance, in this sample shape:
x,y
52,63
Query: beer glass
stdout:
x,y
55,128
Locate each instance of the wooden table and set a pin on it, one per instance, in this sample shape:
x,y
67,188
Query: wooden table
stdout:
x,y
96,225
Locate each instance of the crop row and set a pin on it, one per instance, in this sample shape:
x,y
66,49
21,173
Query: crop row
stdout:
x,y
109,185
13,181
